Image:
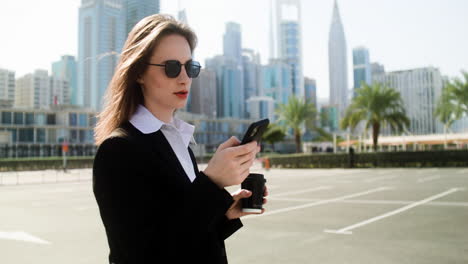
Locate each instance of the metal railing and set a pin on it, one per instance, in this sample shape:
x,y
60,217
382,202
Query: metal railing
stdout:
x,y
44,176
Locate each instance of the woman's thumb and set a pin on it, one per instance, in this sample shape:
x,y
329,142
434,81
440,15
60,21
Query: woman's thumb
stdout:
x,y
246,193
231,142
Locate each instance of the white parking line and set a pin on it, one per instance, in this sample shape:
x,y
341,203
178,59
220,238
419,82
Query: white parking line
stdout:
x,y
283,210
305,190
431,178
380,202
22,236
347,231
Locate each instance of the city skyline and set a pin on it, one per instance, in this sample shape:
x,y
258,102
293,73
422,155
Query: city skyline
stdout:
x,y
398,45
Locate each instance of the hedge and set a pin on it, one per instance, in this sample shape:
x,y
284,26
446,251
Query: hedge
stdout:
x,y
22,164
438,158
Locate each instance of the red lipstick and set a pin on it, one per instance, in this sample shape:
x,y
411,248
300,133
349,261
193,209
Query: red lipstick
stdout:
x,y
182,94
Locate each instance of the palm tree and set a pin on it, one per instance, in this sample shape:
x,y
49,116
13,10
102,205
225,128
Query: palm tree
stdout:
x,y
295,114
273,134
448,110
458,88
377,106
453,102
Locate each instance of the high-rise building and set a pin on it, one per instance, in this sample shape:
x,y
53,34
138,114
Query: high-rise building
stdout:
x,y
203,94
419,88
329,118
135,10
376,69
310,87
260,107
59,91
229,87
252,69
289,41
100,39
276,81
7,88
65,69
232,42
337,63
361,67
33,90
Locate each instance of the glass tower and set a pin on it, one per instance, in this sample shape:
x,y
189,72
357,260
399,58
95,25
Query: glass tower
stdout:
x,y
65,69
361,67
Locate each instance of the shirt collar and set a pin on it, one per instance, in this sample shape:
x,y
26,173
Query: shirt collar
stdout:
x,y
147,123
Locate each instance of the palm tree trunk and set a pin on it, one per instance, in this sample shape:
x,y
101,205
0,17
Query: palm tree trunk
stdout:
x,y
375,134
297,137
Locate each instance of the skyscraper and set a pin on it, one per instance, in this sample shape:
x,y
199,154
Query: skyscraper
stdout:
x,y
310,87
229,87
203,94
289,41
337,63
276,81
361,67
260,107
252,69
376,69
135,10
103,29
232,42
65,69
100,40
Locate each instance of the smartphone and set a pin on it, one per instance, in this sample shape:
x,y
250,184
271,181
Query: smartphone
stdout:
x,y
255,131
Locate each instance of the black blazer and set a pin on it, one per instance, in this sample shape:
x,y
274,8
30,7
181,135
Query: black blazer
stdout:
x,y
151,211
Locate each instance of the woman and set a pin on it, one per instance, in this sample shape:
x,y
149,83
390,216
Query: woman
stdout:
x,y
156,206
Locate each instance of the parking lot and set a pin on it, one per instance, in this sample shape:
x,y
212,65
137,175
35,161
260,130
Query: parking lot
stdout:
x,y
313,216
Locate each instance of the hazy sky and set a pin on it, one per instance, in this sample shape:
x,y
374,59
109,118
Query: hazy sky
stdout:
x,y
400,34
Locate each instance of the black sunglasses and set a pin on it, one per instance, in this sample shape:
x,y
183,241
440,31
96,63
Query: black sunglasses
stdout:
x,y
174,67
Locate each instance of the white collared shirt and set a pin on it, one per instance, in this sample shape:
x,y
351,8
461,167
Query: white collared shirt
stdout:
x,y
178,133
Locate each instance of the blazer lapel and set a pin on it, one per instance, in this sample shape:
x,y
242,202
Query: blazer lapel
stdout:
x,y
194,161
160,145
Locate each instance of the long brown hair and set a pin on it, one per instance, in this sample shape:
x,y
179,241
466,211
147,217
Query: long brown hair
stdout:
x,y
124,93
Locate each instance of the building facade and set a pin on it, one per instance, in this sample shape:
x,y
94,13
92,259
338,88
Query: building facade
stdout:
x,y
260,107
276,81
252,70
202,99
135,10
232,42
41,132
289,41
361,67
329,118
420,89
230,101
7,88
33,90
310,86
65,69
101,34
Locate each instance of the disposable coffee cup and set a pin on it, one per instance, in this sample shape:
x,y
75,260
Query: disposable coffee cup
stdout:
x,y
256,184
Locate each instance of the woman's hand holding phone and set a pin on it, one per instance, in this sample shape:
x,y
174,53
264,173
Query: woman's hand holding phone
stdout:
x,y
231,162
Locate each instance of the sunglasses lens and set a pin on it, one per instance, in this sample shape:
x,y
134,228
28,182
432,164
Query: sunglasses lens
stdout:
x,y
193,69
173,69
